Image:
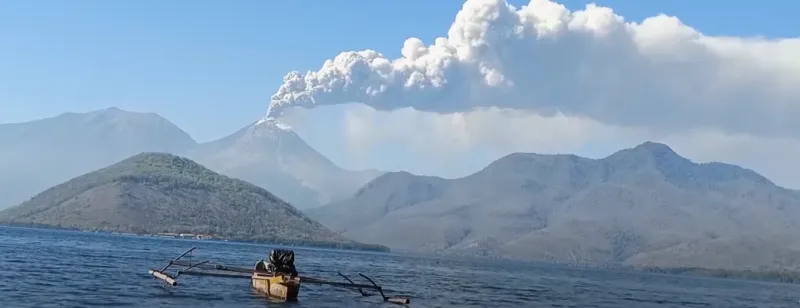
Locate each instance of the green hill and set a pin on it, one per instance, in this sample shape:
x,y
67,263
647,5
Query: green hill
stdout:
x,y
156,193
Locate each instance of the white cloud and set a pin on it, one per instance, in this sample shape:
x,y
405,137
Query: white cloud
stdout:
x,y
542,78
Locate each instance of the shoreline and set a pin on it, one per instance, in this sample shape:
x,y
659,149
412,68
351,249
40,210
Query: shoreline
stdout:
x,y
215,238
771,275
766,275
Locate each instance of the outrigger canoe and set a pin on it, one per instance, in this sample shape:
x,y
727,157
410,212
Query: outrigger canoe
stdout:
x,y
277,278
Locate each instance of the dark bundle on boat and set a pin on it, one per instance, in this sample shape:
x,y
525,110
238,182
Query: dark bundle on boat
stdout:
x,y
281,261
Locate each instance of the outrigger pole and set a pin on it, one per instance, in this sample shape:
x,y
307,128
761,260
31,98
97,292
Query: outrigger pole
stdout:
x,y
224,271
163,276
360,287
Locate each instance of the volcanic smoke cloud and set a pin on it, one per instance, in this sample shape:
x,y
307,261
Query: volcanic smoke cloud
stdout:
x,y
659,74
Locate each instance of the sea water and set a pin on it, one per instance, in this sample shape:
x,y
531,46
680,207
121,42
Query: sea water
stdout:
x,y
51,268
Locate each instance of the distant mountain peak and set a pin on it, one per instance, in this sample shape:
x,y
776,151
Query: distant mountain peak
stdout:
x,y
118,116
656,148
649,151
269,153
118,111
272,123
265,129
114,109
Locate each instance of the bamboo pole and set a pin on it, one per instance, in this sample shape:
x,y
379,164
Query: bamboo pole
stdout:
x,y
217,274
211,266
169,280
176,259
313,280
399,300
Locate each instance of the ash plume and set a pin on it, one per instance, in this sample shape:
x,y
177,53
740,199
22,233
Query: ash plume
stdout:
x,y
660,73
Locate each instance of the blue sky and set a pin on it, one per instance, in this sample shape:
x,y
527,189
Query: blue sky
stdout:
x,y
210,66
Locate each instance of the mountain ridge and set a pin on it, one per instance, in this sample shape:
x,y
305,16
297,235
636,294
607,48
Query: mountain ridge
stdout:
x,y
44,152
633,207
261,146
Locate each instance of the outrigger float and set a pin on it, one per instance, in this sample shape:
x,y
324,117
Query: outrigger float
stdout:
x,y
276,278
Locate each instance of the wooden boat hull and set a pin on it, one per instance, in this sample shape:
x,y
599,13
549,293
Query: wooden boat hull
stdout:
x,y
264,280
278,287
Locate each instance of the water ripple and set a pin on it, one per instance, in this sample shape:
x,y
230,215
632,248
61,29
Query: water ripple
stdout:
x,y
47,268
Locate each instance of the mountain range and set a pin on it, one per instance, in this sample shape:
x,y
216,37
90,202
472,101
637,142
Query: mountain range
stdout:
x,y
42,153
644,206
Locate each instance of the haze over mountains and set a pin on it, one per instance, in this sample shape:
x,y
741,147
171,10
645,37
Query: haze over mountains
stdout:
x,y
645,206
42,153
271,155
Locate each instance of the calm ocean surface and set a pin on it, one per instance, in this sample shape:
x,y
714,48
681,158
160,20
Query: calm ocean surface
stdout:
x,y
47,268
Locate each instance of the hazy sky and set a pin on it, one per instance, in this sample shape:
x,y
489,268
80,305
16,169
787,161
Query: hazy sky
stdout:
x,y
211,67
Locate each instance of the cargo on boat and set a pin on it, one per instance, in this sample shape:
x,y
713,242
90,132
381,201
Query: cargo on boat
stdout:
x,y
277,277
